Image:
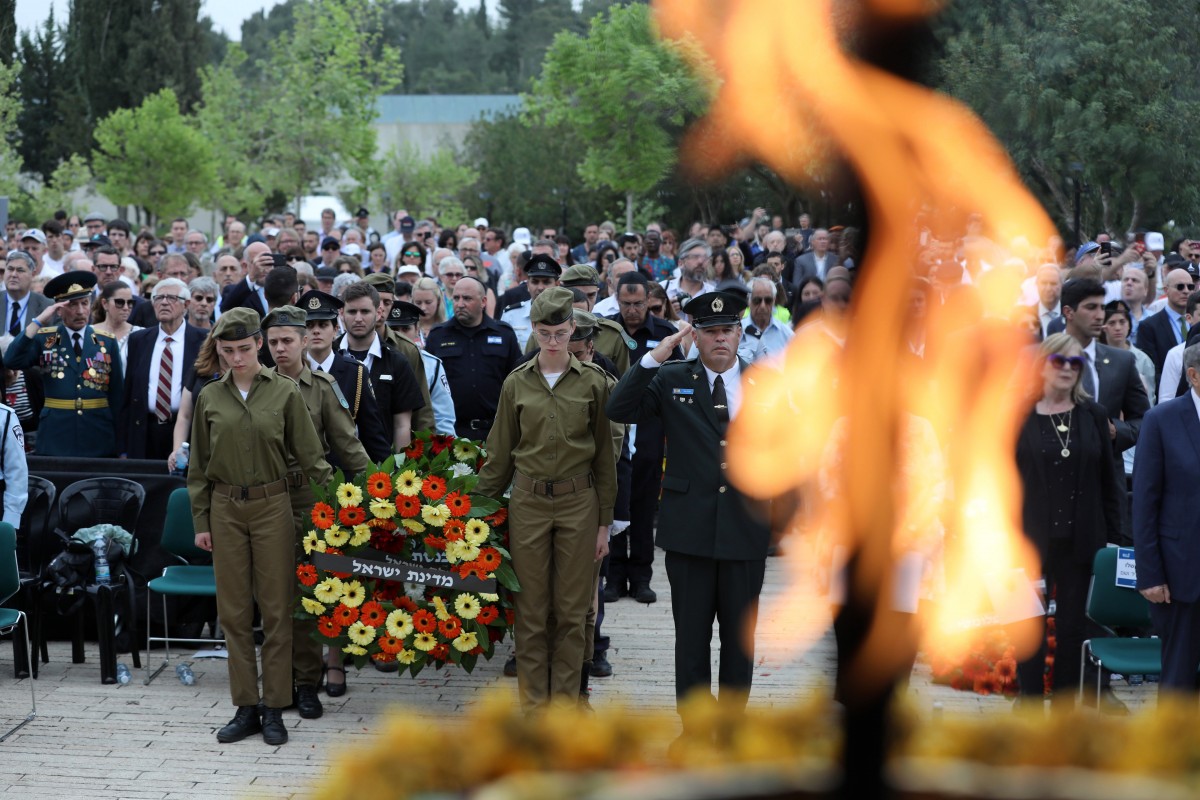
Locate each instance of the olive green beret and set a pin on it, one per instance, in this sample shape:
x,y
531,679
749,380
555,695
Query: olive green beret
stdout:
x,y
285,315
554,306
235,324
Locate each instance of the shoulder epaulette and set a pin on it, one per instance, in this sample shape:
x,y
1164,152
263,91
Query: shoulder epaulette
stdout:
x,y
50,329
98,333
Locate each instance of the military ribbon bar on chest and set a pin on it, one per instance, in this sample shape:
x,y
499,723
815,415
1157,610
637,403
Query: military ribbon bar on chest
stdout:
x,y
683,395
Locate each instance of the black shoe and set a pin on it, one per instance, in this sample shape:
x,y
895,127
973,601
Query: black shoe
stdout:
x,y
600,667
510,667
244,723
387,666
334,689
306,699
273,730
644,594
613,592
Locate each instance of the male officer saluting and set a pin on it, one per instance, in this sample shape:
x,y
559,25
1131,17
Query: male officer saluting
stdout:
x,y
716,549
82,369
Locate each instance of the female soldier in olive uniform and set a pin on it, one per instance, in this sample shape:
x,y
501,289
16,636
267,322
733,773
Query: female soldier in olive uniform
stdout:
x,y
552,440
246,427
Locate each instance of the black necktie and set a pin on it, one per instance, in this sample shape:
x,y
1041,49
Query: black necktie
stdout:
x,y
78,346
14,327
720,402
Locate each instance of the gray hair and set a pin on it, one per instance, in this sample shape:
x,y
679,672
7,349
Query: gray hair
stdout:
x,y
23,256
452,261
171,283
762,280
688,246
1191,358
204,285
203,235
342,281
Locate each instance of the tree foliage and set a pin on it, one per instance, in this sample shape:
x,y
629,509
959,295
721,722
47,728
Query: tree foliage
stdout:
x,y
150,157
431,187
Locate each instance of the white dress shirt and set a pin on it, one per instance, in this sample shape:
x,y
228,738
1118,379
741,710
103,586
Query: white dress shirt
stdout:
x,y
177,367
731,377
373,352
322,366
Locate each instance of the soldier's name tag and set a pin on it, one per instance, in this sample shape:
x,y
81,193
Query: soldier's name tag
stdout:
x,y
495,340
683,391
385,377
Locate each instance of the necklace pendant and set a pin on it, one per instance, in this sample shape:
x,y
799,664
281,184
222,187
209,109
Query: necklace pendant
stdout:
x,y
1066,452
1062,428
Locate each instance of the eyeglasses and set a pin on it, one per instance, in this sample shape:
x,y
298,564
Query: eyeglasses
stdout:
x,y
202,299
455,274
425,234
170,299
762,301
1058,361
1183,287
108,268
411,255
121,302
546,336
158,252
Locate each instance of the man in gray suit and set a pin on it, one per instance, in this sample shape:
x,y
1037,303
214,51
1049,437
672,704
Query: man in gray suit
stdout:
x,y
816,262
18,305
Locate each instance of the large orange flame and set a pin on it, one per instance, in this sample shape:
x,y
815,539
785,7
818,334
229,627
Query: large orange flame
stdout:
x,y
913,151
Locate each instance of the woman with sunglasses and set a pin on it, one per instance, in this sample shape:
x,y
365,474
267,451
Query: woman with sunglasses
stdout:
x,y
412,254
112,315
154,253
143,244
1069,509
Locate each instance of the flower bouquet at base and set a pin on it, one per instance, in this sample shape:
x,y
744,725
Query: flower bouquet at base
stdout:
x,y
405,564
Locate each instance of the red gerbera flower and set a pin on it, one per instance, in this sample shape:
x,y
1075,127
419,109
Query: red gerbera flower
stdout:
x,y
495,634
497,518
434,487
408,506
436,542
352,515
459,503
379,485
328,627
407,603
441,652
489,559
345,615
322,515
454,530
390,644
371,613
488,615
415,449
1006,670
476,650
424,621
307,574
439,443
450,627
377,524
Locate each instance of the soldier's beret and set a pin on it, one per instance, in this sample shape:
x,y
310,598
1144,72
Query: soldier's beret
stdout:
x,y
382,282
580,275
236,324
585,325
287,316
554,306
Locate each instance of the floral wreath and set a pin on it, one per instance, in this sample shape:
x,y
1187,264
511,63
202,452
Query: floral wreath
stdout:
x,y
405,564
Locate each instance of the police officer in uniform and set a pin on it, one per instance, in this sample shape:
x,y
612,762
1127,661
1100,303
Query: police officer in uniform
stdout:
x,y
716,548
247,427
385,287
82,368
552,441
541,273
402,322
321,311
610,338
285,332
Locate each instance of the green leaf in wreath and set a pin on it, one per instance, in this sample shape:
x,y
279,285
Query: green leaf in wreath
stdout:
x,y
468,661
507,577
482,506
388,465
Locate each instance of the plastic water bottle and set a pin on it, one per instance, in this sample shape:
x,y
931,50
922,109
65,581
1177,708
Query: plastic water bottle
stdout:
x,y
123,674
186,676
182,458
103,574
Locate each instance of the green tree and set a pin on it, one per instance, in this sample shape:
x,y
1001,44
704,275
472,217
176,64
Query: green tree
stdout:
x,y
431,186
10,106
41,200
41,79
626,94
151,158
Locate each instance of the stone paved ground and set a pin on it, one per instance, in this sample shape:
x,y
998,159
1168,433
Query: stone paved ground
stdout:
x,y
157,741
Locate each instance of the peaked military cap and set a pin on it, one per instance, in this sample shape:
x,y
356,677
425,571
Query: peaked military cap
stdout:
x,y
403,313
715,308
542,266
70,285
318,305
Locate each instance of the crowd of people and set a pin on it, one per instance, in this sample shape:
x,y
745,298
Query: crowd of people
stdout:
x,y
602,372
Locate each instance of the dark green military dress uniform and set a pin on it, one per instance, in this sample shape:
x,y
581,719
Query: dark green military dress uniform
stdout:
x,y
83,388
555,445
237,482
716,546
330,414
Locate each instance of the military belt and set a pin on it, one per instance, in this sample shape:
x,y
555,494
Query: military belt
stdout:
x,y
252,492
78,404
296,480
553,488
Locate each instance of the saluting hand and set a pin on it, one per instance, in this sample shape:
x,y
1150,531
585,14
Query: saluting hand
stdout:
x,y
663,351
204,541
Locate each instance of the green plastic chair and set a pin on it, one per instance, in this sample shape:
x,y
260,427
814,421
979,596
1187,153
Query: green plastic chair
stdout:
x,y
11,619
1111,606
181,580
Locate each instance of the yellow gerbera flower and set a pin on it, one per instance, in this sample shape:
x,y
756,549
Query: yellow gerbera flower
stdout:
x,y
349,495
437,516
440,610
383,509
312,606
353,594
361,634
406,656
454,551
475,537
337,535
413,525
467,606
399,624
310,542
407,483
328,590
354,650
465,642
477,531
467,551
464,450
489,597
425,642
362,535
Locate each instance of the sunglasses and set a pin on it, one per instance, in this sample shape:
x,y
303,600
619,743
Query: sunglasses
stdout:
x,y
158,252
1183,287
121,302
656,309
412,255
763,301
1058,361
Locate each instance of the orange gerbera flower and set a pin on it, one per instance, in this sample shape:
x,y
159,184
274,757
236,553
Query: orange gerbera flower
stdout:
x,y
322,515
415,449
328,627
441,652
379,485
307,574
459,503
454,530
497,518
488,615
436,542
471,569
434,487
450,627
345,615
390,644
352,515
378,524
408,506
424,621
489,559
371,613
